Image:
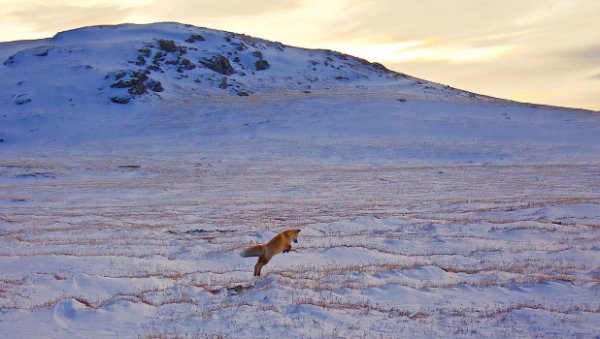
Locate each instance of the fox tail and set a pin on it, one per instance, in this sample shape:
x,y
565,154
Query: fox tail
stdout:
x,y
254,251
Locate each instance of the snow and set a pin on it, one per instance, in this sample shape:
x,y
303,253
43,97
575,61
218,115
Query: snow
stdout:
x,y
443,214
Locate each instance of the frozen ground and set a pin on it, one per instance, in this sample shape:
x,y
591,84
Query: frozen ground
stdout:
x,y
443,214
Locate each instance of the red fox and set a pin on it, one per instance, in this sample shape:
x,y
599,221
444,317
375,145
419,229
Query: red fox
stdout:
x,y
282,242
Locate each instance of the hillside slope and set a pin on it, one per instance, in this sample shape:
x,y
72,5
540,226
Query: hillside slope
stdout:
x,y
144,86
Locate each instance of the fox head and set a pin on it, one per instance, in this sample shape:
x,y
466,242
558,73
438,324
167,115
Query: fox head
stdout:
x,y
293,233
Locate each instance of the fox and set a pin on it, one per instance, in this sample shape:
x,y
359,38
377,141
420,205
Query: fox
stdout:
x,y
282,242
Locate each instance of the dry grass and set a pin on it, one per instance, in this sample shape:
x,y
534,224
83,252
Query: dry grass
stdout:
x,y
420,241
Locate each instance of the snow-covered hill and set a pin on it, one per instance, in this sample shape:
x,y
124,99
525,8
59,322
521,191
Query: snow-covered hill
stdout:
x,y
143,86
97,63
137,160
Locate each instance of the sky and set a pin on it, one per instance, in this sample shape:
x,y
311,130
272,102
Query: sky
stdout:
x,y
540,51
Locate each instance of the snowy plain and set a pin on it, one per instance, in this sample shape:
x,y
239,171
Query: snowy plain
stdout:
x,y
425,211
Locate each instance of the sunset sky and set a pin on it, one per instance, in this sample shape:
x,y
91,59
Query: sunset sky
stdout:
x,y
542,51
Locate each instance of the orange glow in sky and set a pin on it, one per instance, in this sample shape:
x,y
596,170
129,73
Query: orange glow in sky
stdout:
x,y
543,51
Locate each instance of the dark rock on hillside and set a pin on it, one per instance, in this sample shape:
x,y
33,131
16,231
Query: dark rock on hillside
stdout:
x,y
154,68
261,65
122,84
138,87
136,83
241,47
257,54
181,50
41,53
186,64
120,100
155,86
120,75
146,52
167,45
158,57
219,64
22,99
379,67
9,60
223,83
194,38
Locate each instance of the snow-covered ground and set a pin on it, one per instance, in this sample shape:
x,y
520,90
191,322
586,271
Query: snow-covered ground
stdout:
x,y
425,211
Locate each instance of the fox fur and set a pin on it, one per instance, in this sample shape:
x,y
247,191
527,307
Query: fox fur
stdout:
x,y
282,242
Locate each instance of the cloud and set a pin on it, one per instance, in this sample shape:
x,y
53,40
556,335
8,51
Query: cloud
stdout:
x,y
40,19
425,51
588,53
51,18
222,9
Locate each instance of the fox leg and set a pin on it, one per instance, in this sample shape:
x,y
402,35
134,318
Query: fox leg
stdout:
x,y
288,249
259,264
257,267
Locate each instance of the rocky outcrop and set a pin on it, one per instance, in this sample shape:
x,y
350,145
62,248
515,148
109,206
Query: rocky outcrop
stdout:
x,y
219,64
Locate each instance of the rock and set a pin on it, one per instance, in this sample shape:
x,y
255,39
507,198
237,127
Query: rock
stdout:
x,y
41,53
159,56
241,47
122,84
138,83
10,60
167,45
187,64
257,54
22,99
219,64
223,84
136,75
120,74
379,67
120,100
155,86
261,65
145,52
242,94
138,87
153,68
194,38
